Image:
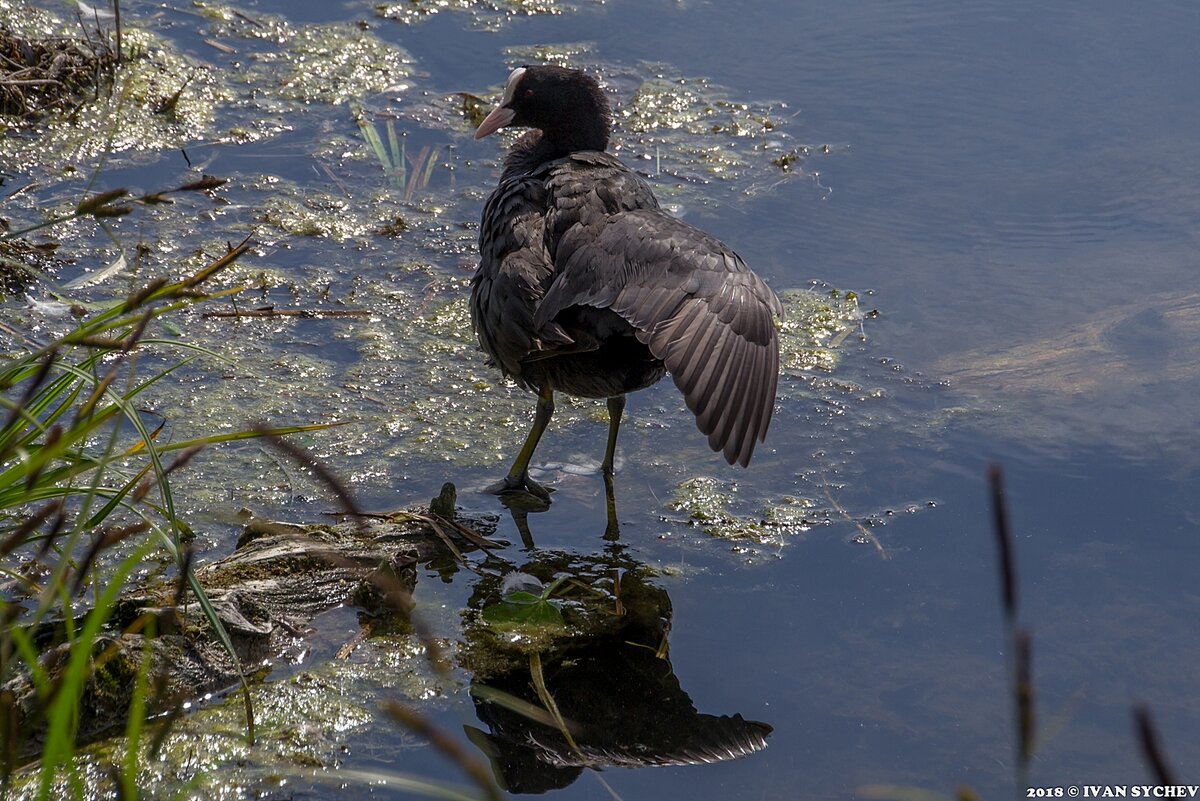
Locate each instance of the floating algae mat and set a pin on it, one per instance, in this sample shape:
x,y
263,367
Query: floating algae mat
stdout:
x,y
305,725
330,64
490,15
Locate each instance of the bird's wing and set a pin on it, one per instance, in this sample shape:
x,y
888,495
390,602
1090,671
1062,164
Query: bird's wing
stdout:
x,y
694,303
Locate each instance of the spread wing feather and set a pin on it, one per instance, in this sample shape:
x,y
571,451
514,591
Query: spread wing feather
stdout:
x,y
693,301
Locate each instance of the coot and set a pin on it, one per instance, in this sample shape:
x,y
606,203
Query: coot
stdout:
x,y
585,286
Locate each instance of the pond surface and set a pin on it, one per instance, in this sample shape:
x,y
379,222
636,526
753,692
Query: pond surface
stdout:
x,y
1014,188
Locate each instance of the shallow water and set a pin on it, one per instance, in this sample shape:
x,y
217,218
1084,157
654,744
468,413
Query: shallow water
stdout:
x,y
1012,187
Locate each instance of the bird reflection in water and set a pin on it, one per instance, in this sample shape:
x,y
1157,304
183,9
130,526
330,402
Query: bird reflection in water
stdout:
x,y
597,689
521,504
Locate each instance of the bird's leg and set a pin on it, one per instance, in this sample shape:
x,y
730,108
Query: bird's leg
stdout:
x,y
612,532
518,478
616,407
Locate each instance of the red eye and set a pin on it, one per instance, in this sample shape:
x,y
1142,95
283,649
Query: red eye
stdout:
x,y
528,94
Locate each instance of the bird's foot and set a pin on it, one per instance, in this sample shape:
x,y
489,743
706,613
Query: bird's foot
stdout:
x,y
519,484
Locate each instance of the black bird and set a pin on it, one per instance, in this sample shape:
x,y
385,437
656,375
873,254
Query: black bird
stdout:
x,y
586,286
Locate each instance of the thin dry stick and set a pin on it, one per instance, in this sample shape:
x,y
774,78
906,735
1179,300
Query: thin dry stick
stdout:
x,y
1008,581
232,254
117,26
419,724
473,537
1148,739
449,543
350,645
871,538
476,539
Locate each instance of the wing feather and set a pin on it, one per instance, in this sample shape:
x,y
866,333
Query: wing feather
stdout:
x,y
691,300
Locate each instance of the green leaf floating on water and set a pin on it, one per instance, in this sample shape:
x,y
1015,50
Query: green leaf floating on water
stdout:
x,y
523,609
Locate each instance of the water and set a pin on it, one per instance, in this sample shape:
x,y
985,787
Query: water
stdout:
x,y
1014,188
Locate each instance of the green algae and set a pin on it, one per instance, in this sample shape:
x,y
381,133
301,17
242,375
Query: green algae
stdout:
x,y
708,503
161,100
330,64
814,324
30,22
303,722
695,131
316,213
443,400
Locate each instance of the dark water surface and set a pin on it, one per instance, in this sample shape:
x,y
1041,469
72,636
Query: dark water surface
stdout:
x,y
1017,187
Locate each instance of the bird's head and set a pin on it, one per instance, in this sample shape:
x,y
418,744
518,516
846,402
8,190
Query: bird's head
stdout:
x,y
566,105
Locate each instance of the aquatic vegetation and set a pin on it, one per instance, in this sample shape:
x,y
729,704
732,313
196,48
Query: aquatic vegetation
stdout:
x,y
405,173
709,503
488,15
44,74
351,171
329,64
85,501
157,100
525,605
305,724
813,327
